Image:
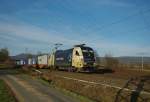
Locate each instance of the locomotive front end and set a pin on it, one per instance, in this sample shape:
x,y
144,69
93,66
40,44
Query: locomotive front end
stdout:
x,y
88,57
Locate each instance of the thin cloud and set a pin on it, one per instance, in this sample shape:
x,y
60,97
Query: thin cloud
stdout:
x,y
35,37
39,38
120,49
116,3
97,3
28,36
33,33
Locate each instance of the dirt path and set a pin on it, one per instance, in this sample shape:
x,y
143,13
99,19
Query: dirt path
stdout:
x,y
28,89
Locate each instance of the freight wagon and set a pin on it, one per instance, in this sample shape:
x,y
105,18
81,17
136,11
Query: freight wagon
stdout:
x,y
21,62
32,61
42,61
78,58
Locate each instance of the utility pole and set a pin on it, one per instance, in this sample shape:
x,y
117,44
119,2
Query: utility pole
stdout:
x,y
57,45
26,50
53,54
142,62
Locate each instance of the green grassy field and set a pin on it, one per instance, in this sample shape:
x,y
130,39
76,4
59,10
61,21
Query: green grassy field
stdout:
x,y
5,94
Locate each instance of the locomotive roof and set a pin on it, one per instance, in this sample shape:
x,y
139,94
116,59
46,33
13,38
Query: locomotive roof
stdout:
x,y
82,47
43,54
86,48
64,50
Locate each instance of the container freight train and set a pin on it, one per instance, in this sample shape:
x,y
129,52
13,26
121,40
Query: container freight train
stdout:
x,y
78,58
40,61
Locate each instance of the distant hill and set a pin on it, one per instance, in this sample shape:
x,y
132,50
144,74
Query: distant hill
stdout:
x,y
134,60
22,56
130,59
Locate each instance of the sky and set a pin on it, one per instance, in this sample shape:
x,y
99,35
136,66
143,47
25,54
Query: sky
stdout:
x,y
116,27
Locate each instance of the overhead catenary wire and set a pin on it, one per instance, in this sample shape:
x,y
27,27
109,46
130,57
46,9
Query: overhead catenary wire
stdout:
x,y
121,20
128,17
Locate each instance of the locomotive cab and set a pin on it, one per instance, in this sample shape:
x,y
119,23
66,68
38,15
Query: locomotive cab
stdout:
x,y
83,57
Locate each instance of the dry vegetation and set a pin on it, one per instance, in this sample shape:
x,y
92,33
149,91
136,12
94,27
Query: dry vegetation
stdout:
x,y
94,92
114,63
98,93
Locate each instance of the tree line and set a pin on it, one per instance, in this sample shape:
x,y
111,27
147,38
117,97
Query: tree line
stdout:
x,y
4,55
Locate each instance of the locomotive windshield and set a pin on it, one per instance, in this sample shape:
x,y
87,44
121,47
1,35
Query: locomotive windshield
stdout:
x,y
88,54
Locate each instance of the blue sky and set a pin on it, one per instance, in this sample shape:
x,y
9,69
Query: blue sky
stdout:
x,y
117,27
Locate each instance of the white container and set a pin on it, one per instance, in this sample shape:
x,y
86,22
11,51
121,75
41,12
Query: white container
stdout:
x,y
30,61
43,59
21,62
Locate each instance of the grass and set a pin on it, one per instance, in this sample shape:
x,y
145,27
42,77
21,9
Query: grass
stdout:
x,y
66,92
5,93
81,91
4,66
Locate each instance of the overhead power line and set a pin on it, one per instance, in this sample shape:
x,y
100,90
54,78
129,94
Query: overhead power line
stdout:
x,y
123,19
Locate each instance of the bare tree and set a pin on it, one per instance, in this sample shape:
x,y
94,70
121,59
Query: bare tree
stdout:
x,y
97,58
111,62
4,54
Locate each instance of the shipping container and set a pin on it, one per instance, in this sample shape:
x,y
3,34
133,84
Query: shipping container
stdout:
x,y
43,60
32,60
21,62
51,60
29,61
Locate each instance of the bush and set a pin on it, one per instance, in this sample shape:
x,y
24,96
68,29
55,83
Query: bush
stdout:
x,y
4,54
111,62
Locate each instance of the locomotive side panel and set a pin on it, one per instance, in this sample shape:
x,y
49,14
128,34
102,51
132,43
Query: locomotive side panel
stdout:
x,y
63,58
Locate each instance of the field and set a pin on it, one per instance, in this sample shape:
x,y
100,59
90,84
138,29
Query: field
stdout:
x,y
119,85
6,66
5,94
106,87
